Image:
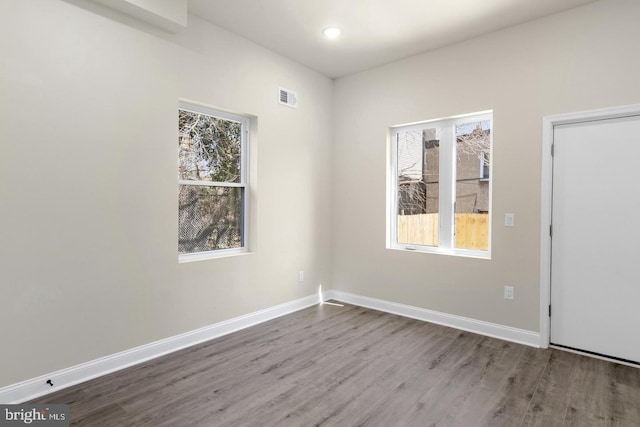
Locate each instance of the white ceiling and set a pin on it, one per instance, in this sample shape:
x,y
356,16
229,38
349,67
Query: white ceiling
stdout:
x,y
375,32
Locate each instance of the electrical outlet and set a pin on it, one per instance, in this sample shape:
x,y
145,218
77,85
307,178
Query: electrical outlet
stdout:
x,y
300,276
508,292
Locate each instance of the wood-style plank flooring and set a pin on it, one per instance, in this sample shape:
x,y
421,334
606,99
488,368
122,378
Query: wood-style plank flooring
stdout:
x,y
352,366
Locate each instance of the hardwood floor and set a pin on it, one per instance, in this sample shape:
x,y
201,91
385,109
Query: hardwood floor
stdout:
x,y
352,366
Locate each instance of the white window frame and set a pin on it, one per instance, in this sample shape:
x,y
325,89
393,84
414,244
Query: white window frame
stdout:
x,y
483,163
244,180
447,185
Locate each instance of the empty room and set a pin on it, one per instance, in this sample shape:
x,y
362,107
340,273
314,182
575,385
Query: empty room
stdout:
x,y
305,213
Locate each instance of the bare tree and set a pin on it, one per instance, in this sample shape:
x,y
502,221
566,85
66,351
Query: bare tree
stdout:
x,y
209,216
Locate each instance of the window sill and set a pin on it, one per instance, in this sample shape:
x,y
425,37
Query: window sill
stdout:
x,y
441,251
201,256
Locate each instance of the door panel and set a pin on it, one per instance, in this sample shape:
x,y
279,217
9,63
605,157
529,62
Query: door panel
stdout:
x,y
595,261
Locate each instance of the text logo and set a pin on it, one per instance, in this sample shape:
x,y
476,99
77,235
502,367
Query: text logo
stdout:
x,y
34,415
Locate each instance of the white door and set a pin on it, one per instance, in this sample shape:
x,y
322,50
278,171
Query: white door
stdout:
x,y
595,249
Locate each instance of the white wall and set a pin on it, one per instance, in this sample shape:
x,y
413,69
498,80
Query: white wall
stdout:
x,y
88,182
170,15
585,58
173,10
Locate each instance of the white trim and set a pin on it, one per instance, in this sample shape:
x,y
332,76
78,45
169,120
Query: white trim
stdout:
x,y
208,110
218,253
420,249
212,183
36,387
508,333
419,125
546,193
595,356
545,224
447,187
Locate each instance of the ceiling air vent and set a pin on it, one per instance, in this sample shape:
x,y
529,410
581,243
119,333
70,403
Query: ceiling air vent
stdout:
x,y
288,98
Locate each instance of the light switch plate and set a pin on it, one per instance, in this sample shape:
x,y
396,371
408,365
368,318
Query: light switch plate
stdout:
x,y
509,219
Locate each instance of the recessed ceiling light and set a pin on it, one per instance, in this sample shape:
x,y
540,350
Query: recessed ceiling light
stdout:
x,y
332,32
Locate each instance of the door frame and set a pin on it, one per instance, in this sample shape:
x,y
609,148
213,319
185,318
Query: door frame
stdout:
x,y
546,193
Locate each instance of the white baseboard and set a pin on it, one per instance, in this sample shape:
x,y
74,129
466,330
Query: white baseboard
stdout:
x,y
36,387
494,330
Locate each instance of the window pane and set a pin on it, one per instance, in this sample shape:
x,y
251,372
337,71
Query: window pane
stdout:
x,y
473,145
418,154
209,218
210,148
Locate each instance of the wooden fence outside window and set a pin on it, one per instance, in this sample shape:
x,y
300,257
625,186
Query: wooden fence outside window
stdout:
x,y
471,230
